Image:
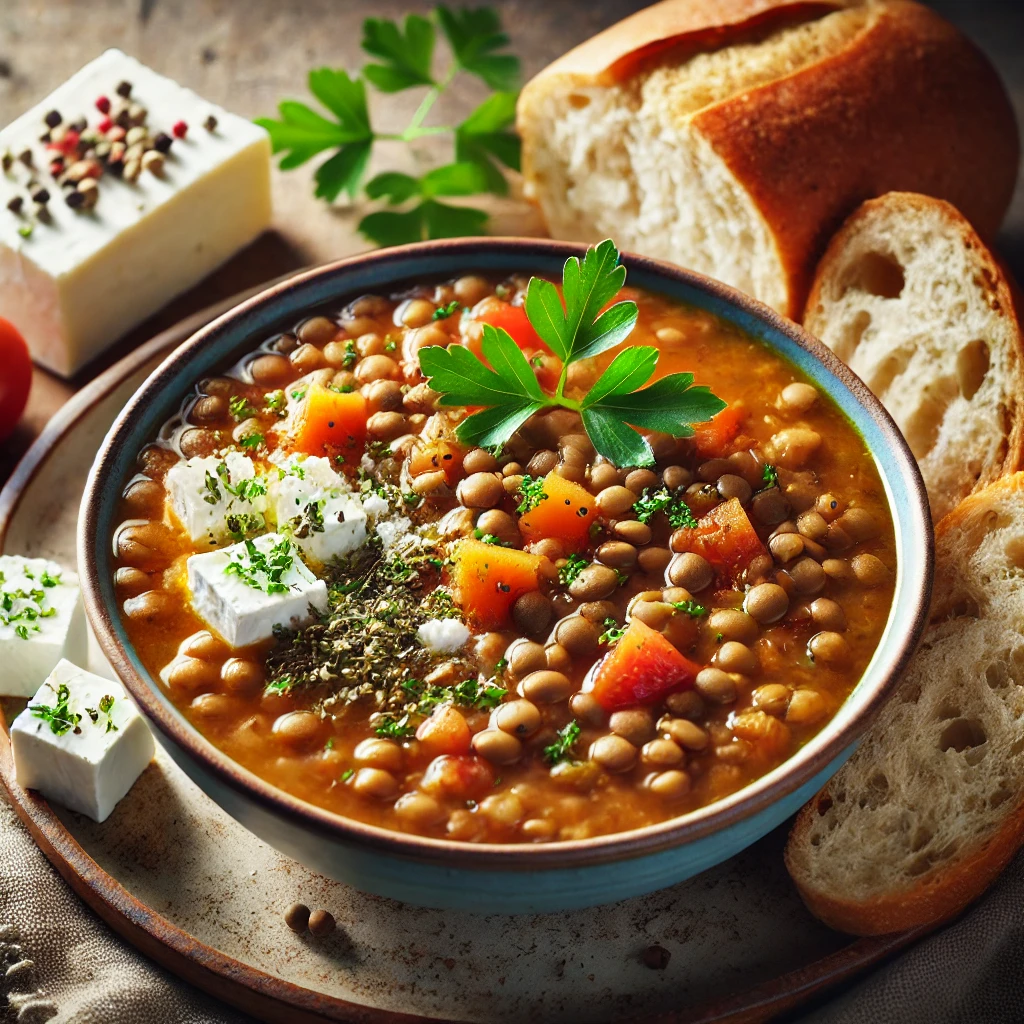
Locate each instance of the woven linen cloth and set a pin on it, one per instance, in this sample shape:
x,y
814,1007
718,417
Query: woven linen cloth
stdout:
x,y
61,963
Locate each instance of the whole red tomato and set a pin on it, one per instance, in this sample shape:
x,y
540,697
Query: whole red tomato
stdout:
x,y
15,377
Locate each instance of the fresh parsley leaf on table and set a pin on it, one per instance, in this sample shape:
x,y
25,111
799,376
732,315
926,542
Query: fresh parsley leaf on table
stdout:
x,y
577,324
404,59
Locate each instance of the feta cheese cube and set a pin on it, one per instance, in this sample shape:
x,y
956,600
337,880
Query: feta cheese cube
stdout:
x,y
41,621
245,590
207,491
76,745
315,507
443,636
79,280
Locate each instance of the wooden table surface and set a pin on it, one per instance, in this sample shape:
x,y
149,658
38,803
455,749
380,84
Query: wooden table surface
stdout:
x,y
249,54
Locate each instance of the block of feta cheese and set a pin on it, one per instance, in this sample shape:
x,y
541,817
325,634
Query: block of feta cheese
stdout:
x,y
81,741
41,621
207,491
316,508
245,590
169,186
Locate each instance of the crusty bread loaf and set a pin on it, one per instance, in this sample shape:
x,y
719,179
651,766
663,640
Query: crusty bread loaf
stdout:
x,y
911,299
734,136
931,806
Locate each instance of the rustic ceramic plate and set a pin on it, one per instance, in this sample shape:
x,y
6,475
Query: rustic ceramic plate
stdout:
x,y
178,878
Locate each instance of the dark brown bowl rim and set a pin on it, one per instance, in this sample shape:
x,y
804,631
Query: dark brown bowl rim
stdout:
x,y
795,772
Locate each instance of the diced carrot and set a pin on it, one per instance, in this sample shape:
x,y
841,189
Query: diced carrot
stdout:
x,y
438,455
726,538
566,512
487,580
640,669
462,776
444,732
329,422
714,435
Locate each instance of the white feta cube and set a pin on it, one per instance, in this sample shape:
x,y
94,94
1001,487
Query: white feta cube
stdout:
x,y
75,282
244,591
396,532
315,507
81,741
41,621
443,636
207,492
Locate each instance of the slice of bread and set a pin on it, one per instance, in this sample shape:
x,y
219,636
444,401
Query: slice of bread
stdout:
x,y
930,808
734,136
909,297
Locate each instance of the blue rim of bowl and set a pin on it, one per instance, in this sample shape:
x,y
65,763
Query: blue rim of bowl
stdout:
x,y
332,283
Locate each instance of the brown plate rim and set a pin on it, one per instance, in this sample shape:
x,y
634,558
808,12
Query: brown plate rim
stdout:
x,y
798,770
245,987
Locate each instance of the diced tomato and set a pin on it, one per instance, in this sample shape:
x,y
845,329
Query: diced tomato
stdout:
x,y
640,669
713,436
461,776
15,378
726,538
487,580
329,422
566,512
444,732
512,319
438,455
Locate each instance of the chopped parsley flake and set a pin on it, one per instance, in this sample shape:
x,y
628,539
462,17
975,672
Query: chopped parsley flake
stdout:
x,y
264,571
351,356
770,475
241,408
653,501
347,774
395,728
531,491
247,489
275,402
60,718
106,703
691,608
24,607
253,440
561,749
613,632
575,564
443,312
310,521
279,686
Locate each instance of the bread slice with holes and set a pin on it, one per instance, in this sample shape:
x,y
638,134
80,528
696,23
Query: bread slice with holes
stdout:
x,y
930,808
733,137
911,299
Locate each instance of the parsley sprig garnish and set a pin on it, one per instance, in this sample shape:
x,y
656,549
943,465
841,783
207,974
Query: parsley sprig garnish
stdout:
x,y
584,326
403,58
470,693
613,632
574,565
531,493
60,717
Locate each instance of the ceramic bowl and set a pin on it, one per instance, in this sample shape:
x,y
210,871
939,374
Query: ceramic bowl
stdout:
x,y
502,878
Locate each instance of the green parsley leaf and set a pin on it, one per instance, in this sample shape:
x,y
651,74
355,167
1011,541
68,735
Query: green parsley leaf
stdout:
x,y
660,499
46,579
347,774
393,186
302,133
407,52
561,749
281,685
483,138
577,331
430,219
253,440
770,476
276,402
474,35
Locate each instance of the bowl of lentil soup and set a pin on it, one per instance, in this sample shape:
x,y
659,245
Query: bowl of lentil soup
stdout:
x,y
563,669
